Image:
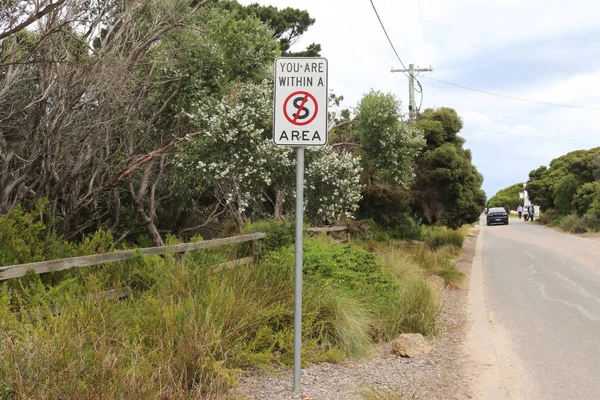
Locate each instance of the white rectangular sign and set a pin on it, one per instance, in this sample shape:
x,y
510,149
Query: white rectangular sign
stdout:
x,y
300,114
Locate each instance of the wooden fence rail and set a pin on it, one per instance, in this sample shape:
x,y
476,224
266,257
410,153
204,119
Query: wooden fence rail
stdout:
x,y
42,267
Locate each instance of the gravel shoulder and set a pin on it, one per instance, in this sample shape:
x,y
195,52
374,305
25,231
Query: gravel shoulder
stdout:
x,y
444,373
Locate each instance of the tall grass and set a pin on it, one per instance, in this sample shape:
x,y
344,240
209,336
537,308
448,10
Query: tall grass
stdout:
x,y
417,307
440,262
438,237
187,334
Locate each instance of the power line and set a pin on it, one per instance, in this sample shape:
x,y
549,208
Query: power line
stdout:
x,y
421,92
423,31
386,35
426,53
395,52
512,97
401,30
529,137
358,35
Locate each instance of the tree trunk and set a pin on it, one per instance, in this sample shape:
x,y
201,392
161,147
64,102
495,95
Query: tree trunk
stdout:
x,y
278,205
239,220
148,224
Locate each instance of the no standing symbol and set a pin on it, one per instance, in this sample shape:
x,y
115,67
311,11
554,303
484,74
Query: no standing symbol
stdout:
x,y
300,108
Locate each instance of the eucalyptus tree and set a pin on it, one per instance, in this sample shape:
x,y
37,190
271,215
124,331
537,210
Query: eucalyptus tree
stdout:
x,y
95,97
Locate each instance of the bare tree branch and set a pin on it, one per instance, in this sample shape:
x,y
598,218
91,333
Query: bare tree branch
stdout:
x,y
353,121
31,19
136,164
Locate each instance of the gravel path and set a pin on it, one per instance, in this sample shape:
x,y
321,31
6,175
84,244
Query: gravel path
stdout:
x,y
437,375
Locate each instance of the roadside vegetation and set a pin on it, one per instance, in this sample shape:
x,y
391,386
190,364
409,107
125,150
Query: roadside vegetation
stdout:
x,y
507,197
567,191
188,331
140,124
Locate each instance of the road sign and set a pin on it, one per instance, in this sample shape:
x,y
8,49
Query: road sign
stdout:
x,y
300,114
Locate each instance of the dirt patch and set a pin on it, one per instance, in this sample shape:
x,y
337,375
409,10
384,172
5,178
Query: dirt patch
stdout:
x,y
441,374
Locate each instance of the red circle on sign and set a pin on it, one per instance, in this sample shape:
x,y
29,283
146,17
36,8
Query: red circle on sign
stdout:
x,y
294,120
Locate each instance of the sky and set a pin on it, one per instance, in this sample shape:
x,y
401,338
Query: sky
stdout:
x,y
540,50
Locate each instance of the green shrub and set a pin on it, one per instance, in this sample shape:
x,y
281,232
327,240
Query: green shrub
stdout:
x,y
30,237
572,223
438,237
404,227
385,285
350,270
585,196
564,191
279,233
188,332
549,216
591,222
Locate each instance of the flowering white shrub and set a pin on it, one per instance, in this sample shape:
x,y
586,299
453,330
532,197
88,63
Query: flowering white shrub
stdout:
x,y
236,162
332,185
234,158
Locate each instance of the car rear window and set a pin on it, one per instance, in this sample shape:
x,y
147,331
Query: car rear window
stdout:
x,y
497,210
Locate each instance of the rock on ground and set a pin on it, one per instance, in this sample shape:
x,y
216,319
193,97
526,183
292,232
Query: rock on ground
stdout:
x,y
410,345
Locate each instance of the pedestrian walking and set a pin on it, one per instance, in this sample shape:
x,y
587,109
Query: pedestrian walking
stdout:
x,y
531,212
520,211
526,213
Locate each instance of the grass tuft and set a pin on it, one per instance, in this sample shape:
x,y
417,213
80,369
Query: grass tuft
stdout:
x,y
439,237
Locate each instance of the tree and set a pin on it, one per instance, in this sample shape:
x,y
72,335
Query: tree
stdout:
x,y
389,145
288,25
508,197
95,101
585,197
563,193
558,184
447,185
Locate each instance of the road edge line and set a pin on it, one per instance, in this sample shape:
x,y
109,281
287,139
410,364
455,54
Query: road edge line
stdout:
x,y
485,376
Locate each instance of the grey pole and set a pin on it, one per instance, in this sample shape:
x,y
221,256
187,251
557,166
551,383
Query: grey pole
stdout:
x,y
411,91
298,268
412,107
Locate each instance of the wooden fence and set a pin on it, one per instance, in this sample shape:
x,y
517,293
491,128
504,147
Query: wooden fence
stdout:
x,y
42,267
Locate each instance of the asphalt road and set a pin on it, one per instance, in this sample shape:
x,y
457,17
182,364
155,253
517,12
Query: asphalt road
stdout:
x,y
542,293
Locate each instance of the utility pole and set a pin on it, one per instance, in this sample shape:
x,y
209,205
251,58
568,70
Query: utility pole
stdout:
x,y
411,87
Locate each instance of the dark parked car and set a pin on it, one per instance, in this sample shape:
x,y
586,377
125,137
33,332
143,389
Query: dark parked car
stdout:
x,y
497,215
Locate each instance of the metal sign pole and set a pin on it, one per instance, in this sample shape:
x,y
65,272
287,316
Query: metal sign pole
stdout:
x,y
299,120
298,268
